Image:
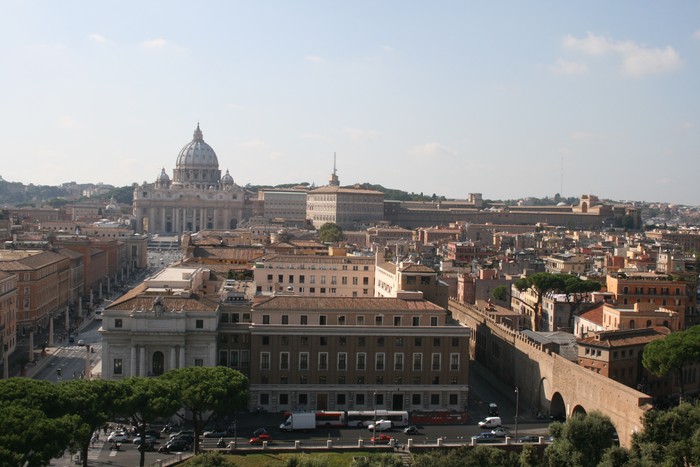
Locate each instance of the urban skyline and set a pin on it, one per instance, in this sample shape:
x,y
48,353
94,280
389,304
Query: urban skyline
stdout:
x,y
509,100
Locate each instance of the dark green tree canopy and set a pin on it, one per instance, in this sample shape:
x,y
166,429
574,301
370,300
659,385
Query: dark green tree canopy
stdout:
x,y
330,233
673,354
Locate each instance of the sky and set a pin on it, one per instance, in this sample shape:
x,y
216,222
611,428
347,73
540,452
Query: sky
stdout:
x,y
510,99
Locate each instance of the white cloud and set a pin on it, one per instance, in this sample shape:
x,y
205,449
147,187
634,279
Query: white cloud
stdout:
x,y
637,60
566,67
433,150
357,134
100,39
154,43
68,122
313,59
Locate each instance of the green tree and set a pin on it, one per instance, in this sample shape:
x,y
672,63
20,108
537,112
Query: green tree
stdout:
x,y
576,290
93,401
673,354
670,437
501,293
540,283
582,441
208,392
330,233
143,400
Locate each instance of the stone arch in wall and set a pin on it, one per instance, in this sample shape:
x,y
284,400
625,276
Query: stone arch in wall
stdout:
x,y
233,223
545,388
557,407
578,410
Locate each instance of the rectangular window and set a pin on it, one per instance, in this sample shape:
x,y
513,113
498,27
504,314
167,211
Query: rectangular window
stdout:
x,y
435,399
340,399
322,320
398,361
234,359
312,279
418,342
397,321
266,319
301,279
417,362
415,321
341,320
454,362
361,341
379,361
304,320
342,360
361,361
359,399
284,360
323,360
118,366
323,280
323,340
199,324
284,398
344,280
118,323
433,320
280,278
415,399
360,320
285,319
378,320
454,399
436,342
303,360
291,279
198,362
436,360
354,281
245,358
284,340
223,357
365,280
264,360
304,340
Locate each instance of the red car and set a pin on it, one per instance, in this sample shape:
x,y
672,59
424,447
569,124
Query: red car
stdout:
x,y
258,439
261,433
381,439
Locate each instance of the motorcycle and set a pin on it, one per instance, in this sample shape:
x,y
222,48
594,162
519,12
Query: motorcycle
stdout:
x,y
221,443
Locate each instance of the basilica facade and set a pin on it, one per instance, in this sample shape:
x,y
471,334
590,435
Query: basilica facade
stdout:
x,y
197,197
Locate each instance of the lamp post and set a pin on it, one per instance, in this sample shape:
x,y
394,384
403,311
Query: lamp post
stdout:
x,y
374,425
517,400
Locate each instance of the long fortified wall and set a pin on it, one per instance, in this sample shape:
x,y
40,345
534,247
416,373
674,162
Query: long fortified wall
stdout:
x,y
550,383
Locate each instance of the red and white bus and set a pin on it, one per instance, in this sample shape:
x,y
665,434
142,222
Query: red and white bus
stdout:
x,y
327,419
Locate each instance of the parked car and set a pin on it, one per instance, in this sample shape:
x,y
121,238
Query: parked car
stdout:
x,y
381,425
189,439
215,434
411,430
381,439
81,342
500,432
262,434
258,440
528,439
486,437
182,432
493,409
154,433
118,437
149,439
177,445
490,422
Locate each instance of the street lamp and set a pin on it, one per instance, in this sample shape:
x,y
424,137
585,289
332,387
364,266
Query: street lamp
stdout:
x,y
517,400
374,425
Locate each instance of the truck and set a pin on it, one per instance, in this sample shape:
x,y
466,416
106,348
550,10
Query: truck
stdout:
x,y
298,421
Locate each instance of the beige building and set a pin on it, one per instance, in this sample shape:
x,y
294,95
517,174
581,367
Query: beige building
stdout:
x,y
565,263
289,204
8,319
392,280
197,198
350,208
313,275
348,353
169,321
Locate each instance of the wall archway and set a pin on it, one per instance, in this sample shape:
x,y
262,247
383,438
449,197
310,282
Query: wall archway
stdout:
x,y
579,410
556,406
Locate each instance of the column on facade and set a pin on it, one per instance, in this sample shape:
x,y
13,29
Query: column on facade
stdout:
x,y
162,219
67,318
173,358
182,357
212,354
50,331
133,367
142,360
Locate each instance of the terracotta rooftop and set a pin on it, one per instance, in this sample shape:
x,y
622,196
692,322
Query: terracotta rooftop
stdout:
x,y
625,338
594,315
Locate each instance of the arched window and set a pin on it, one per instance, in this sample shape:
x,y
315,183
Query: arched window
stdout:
x,y
631,324
158,363
648,323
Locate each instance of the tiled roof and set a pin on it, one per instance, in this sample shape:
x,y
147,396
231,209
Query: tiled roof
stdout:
x,y
594,315
346,303
625,338
227,253
170,303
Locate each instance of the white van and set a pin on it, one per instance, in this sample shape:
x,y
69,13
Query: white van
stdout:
x,y
381,425
490,422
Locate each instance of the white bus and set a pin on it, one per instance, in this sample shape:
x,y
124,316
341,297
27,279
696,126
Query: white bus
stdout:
x,y
363,418
324,419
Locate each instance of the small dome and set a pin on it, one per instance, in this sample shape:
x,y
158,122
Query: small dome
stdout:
x,y
227,179
163,177
112,206
197,154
